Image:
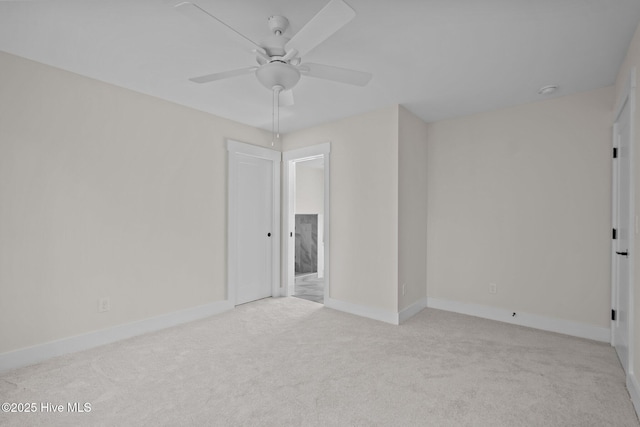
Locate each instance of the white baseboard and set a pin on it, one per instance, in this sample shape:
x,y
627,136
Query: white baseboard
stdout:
x,y
412,310
361,310
376,313
561,326
634,391
38,353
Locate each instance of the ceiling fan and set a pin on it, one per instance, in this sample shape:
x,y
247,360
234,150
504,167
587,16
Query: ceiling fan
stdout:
x,y
279,58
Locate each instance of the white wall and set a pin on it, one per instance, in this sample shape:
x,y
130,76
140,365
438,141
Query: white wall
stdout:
x,y
633,60
309,189
412,206
364,205
521,197
105,192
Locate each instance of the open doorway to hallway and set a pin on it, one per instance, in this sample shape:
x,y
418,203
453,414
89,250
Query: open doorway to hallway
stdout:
x,y
306,223
309,235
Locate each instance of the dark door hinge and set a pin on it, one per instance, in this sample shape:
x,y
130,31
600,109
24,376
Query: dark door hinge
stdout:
x,y
614,234
613,315
615,152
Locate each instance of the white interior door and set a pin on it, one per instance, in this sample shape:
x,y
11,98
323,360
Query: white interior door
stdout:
x,y
622,226
254,219
254,231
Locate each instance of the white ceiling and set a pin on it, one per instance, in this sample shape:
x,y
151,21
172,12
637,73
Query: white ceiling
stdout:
x,y
439,58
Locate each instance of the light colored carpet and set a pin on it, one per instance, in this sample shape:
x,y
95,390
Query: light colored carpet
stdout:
x,y
291,362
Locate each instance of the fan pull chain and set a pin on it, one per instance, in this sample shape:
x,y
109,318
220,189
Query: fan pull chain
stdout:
x,y
275,115
278,114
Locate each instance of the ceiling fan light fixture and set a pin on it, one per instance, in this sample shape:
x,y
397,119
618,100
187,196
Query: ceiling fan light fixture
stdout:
x,y
278,74
547,90
279,57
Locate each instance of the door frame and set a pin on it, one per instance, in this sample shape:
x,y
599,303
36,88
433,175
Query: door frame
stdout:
x,y
236,149
628,97
289,159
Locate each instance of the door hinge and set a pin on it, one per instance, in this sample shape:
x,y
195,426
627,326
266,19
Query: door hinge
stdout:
x,y
613,315
615,152
614,235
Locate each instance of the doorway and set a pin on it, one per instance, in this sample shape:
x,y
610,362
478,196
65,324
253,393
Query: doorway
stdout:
x,y
253,223
623,229
308,235
306,222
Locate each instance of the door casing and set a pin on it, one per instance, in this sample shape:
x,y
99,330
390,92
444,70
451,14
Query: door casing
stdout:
x,y
626,311
290,158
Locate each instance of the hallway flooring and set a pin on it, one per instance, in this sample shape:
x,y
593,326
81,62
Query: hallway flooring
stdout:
x,y
309,287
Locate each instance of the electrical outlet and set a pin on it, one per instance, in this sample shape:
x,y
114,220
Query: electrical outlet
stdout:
x,y
493,288
104,304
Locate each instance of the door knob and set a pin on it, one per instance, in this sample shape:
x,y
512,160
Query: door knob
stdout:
x,y
625,253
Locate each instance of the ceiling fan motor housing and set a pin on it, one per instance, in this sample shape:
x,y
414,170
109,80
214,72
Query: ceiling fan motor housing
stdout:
x,y
278,74
274,45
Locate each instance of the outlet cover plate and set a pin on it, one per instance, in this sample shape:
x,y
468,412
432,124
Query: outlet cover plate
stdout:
x,y
104,305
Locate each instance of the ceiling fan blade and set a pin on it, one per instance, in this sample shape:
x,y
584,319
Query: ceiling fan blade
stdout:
x,y
286,98
223,75
342,75
335,15
197,14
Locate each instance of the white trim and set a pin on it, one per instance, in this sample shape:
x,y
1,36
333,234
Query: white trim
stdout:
x,y
276,246
634,391
631,225
412,310
550,324
614,225
236,148
362,310
632,213
253,150
288,220
629,86
307,152
327,220
38,353
288,224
